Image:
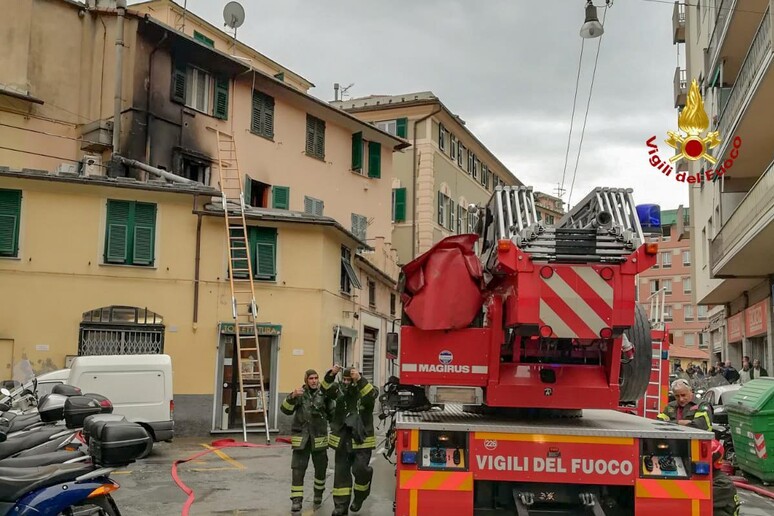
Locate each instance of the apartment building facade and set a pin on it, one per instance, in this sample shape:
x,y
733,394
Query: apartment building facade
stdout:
x,y
670,281
114,260
448,170
729,51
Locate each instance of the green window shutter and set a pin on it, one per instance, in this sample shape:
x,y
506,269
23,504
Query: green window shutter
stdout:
x,y
265,241
281,197
239,253
400,205
319,139
201,38
267,122
357,151
178,82
440,208
256,125
221,98
402,127
374,159
117,231
247,189
10,212
310,130
144,234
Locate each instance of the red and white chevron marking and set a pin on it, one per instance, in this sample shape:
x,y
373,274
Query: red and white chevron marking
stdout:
x,y
576,303
760,446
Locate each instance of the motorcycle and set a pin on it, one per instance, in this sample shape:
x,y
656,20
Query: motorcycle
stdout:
x,y
81,488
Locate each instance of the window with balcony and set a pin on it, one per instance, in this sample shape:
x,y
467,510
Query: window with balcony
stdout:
x,y
666,259
687,285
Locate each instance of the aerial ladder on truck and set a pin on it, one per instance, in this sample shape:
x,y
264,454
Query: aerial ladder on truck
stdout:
x,y
518,344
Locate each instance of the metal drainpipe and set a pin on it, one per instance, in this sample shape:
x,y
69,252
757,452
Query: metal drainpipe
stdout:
x,y
196,262
414,185
121,8
148,99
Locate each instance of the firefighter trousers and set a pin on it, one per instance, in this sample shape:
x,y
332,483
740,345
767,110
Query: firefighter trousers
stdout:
x,y
351,463
298,465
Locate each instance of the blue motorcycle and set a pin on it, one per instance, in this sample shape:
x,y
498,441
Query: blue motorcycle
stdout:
x,y
81,487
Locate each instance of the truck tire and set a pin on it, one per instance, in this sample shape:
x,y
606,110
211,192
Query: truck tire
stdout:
x,y
635,375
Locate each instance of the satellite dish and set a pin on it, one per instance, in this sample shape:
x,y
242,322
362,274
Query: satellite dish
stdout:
x,y
234,15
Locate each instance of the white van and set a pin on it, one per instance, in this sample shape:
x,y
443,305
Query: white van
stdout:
x,y
139,386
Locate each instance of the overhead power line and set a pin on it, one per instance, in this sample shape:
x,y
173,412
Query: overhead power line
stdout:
x,y
586,116
572,116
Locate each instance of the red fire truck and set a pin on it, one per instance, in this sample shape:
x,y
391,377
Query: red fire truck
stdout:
x,y
518,345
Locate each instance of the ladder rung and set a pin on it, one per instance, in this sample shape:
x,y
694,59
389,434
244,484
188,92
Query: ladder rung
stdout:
x,y
247,349
254,411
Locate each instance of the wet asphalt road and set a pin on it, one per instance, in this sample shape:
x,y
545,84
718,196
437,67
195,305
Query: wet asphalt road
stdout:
x,y
256,481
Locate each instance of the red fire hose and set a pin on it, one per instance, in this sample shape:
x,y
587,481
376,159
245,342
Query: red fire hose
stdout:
x,y
215,445
742,484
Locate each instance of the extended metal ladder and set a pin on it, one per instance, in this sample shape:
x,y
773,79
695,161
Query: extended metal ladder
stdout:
x,y
240,273
657,325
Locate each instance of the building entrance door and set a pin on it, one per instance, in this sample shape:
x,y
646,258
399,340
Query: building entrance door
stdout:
x,y
228,401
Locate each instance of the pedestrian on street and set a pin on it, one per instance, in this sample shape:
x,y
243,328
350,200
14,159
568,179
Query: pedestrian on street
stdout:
x,y
311,411
744,374
730,373
683,410
757,371
352,436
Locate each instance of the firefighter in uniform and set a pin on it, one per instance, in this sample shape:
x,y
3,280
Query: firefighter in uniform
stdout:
x,y
725,499
352,437
311,410
683,410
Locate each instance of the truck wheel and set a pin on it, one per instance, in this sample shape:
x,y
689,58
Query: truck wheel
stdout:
x,y
635,375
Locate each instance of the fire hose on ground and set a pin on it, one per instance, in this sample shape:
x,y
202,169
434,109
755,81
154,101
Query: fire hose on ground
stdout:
x,y
214,446
741,483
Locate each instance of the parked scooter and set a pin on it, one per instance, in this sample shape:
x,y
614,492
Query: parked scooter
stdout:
x,y
80,488
53,442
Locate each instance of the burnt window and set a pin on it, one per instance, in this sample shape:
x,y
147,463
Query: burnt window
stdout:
x,y
195,169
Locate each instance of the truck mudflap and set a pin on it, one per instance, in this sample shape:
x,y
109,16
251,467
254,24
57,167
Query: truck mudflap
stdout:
x,y
440,289
592,466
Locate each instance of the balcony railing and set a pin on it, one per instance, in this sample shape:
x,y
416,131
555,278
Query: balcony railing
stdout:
x,y
678,23
680,86
719,31
758,200
748,73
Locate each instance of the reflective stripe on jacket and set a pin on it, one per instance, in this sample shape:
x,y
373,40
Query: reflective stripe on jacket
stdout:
x,y
311,412
354,412
697,414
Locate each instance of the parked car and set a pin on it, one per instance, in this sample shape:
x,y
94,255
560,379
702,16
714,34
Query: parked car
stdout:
x,y
718,398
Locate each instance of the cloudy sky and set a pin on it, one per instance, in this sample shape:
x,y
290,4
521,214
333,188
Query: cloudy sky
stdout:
x,y
507,67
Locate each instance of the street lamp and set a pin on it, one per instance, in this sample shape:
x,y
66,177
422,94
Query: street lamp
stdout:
x,y
591,27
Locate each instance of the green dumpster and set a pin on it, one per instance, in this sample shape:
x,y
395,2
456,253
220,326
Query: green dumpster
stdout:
x,y
751,419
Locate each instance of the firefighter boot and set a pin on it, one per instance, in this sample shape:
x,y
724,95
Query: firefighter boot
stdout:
x,y
318,496
295,507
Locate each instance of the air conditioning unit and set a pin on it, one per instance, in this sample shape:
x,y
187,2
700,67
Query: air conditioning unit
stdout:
x,y
66,168
91,165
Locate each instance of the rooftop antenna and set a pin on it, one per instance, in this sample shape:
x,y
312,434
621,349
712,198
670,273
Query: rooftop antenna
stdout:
x,y
234,16
345,90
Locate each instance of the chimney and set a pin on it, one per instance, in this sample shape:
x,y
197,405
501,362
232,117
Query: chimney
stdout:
x,y
335,91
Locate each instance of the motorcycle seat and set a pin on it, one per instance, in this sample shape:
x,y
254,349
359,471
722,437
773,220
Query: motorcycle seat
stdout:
x,y
15,482
16,443
43,459
22,421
